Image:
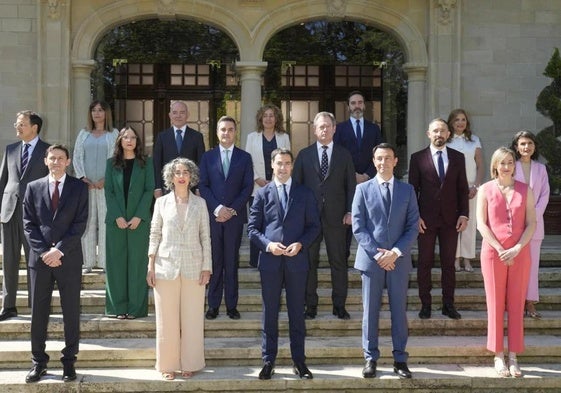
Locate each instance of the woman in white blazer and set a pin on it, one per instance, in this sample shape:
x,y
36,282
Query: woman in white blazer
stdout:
x,y
179,268
528,170
269,136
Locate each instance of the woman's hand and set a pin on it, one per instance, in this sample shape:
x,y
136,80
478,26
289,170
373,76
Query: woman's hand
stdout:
x,y
134,223
507,256
151,278
122,223
204,278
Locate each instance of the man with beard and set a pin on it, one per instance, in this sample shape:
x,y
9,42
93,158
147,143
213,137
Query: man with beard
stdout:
x,y
438,175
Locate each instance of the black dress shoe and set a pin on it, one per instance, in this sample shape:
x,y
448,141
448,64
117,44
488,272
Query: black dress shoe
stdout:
x,y
211,313
267,371
35,373
302,370
425,312
69,373
369,370
8,313
450,311
401,369
233,314
311,312
341,313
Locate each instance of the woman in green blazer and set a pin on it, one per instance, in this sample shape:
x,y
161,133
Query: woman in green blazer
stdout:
x,y
129,186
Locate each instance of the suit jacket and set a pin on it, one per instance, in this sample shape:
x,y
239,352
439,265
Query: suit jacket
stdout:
x,y
12,182
267,224
539,183
371,136
440,204
254,146
373,228
231,191
62,229
165,150
334,195
179,248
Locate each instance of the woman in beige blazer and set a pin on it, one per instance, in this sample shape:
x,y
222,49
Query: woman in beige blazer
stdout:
x,y
269,136
179,267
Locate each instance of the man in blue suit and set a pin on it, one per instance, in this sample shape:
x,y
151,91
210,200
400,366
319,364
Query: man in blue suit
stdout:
x,y
283,223
385,224
55,212
226,183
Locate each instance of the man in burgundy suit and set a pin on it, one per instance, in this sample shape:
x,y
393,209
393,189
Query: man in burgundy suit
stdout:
x,y
439,177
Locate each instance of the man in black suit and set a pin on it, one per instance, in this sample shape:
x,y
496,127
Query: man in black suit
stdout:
x,y
328,170
55,212
22,163
177,141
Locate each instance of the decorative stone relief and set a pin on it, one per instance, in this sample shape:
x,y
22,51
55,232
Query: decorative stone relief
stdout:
x,y
336,8
445,7
54,9
167,7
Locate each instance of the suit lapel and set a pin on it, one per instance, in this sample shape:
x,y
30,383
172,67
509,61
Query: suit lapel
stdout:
x,y
429,163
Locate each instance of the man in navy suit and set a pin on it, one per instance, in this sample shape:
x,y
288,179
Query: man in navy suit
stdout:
x,y
177,141
385,222
22,163
55,212
283,223
226,183
438,175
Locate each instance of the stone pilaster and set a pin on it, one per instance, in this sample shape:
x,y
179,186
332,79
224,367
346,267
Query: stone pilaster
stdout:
x,y
250,73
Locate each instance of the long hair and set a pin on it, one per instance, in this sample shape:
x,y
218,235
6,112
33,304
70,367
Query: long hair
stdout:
x,y
452,116
118,159
108,126
279,119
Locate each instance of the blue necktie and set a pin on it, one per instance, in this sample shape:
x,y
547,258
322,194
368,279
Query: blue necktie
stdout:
x,y
441,172
283,196
386,196
25,157
178,140
358,134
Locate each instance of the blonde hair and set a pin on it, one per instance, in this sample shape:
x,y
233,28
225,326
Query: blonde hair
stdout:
x,y
497,157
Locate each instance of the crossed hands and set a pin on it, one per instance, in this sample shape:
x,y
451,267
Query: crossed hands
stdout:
x,y
225,213
52,257
507,256
387,260
277,248
124,224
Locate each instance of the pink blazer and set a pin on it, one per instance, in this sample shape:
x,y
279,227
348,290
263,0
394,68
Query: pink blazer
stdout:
x,y
539,183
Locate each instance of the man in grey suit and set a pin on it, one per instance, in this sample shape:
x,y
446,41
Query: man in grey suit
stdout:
x,y
22,163
385,224
327,169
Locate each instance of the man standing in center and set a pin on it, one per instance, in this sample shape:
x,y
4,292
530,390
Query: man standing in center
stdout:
x,y
226,183
327,169
438,174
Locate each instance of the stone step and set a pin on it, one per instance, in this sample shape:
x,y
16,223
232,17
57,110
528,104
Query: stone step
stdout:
x,y
327,350
473,323
445,377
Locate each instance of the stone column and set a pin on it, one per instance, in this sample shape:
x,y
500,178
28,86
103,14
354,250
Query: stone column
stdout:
x,y
250,78
81,95
416,119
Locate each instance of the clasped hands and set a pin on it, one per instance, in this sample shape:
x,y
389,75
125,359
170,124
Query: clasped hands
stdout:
x,y
507,256
225,213
124,224
52,257
387,260
277,248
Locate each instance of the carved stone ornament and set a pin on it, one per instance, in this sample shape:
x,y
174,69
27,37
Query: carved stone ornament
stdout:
x,y
54,9
167,7
445,7
336,8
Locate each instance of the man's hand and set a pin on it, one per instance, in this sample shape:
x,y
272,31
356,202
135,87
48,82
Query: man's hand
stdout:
x,y
293,249
158,193
461,224
387,260
225,213
52,257
277,248
348,219
422,225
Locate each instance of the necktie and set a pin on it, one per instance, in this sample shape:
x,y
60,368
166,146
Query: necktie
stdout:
x,y
441,172
178,140
226,162
386,196
283,196
25,157
324,163
358,134
55,197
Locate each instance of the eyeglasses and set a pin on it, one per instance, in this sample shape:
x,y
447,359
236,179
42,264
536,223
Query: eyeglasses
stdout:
x,y
182,173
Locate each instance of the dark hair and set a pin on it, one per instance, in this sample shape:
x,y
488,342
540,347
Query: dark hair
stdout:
x,y
118,159
452,116
384,145
226,118
281,150
279,119
525,134
352,93
108,126
57,146
34,119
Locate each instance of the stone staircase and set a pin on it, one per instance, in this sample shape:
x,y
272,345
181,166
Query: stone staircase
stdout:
x,y
445,355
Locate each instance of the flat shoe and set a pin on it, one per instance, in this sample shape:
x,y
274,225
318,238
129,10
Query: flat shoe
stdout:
x,y
186,374
168,376
468,268
121,316
500,367
130,316
514,369
458,268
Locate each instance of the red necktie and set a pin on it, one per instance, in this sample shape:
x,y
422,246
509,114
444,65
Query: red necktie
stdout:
x,y
55,197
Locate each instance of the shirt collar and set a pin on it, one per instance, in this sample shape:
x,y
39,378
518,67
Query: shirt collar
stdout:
x,y
279,184
380,180
320,148
32,142
61,180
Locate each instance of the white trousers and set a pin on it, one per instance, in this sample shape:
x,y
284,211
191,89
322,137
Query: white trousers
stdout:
x,y
94,237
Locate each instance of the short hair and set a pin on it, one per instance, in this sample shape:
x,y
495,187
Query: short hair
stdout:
x,y
226,118
384,145
108,126
33,117
439,120
352,93
280,151
324,114
279,118
498,156
169,169
57,146
452,116
180,102
525,134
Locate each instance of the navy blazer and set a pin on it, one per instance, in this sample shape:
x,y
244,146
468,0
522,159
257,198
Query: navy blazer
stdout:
x,y
371,136
64,228
232,191
165,150
267,224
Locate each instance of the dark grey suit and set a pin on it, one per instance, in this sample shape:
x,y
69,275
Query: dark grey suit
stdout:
x,y
334,196
12,190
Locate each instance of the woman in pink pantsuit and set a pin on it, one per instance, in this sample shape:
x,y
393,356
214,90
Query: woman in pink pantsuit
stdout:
x,y
530,171
506,219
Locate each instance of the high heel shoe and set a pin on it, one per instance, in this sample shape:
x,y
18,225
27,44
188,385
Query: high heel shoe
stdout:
x,y
514,369
500,367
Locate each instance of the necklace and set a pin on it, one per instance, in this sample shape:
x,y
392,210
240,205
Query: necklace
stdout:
x,y
180,199
504,187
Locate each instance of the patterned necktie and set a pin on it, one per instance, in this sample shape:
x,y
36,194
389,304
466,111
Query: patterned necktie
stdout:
x,y
386,196
324,163
25,157
441,172
226,162
178,140
358,134
55,197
